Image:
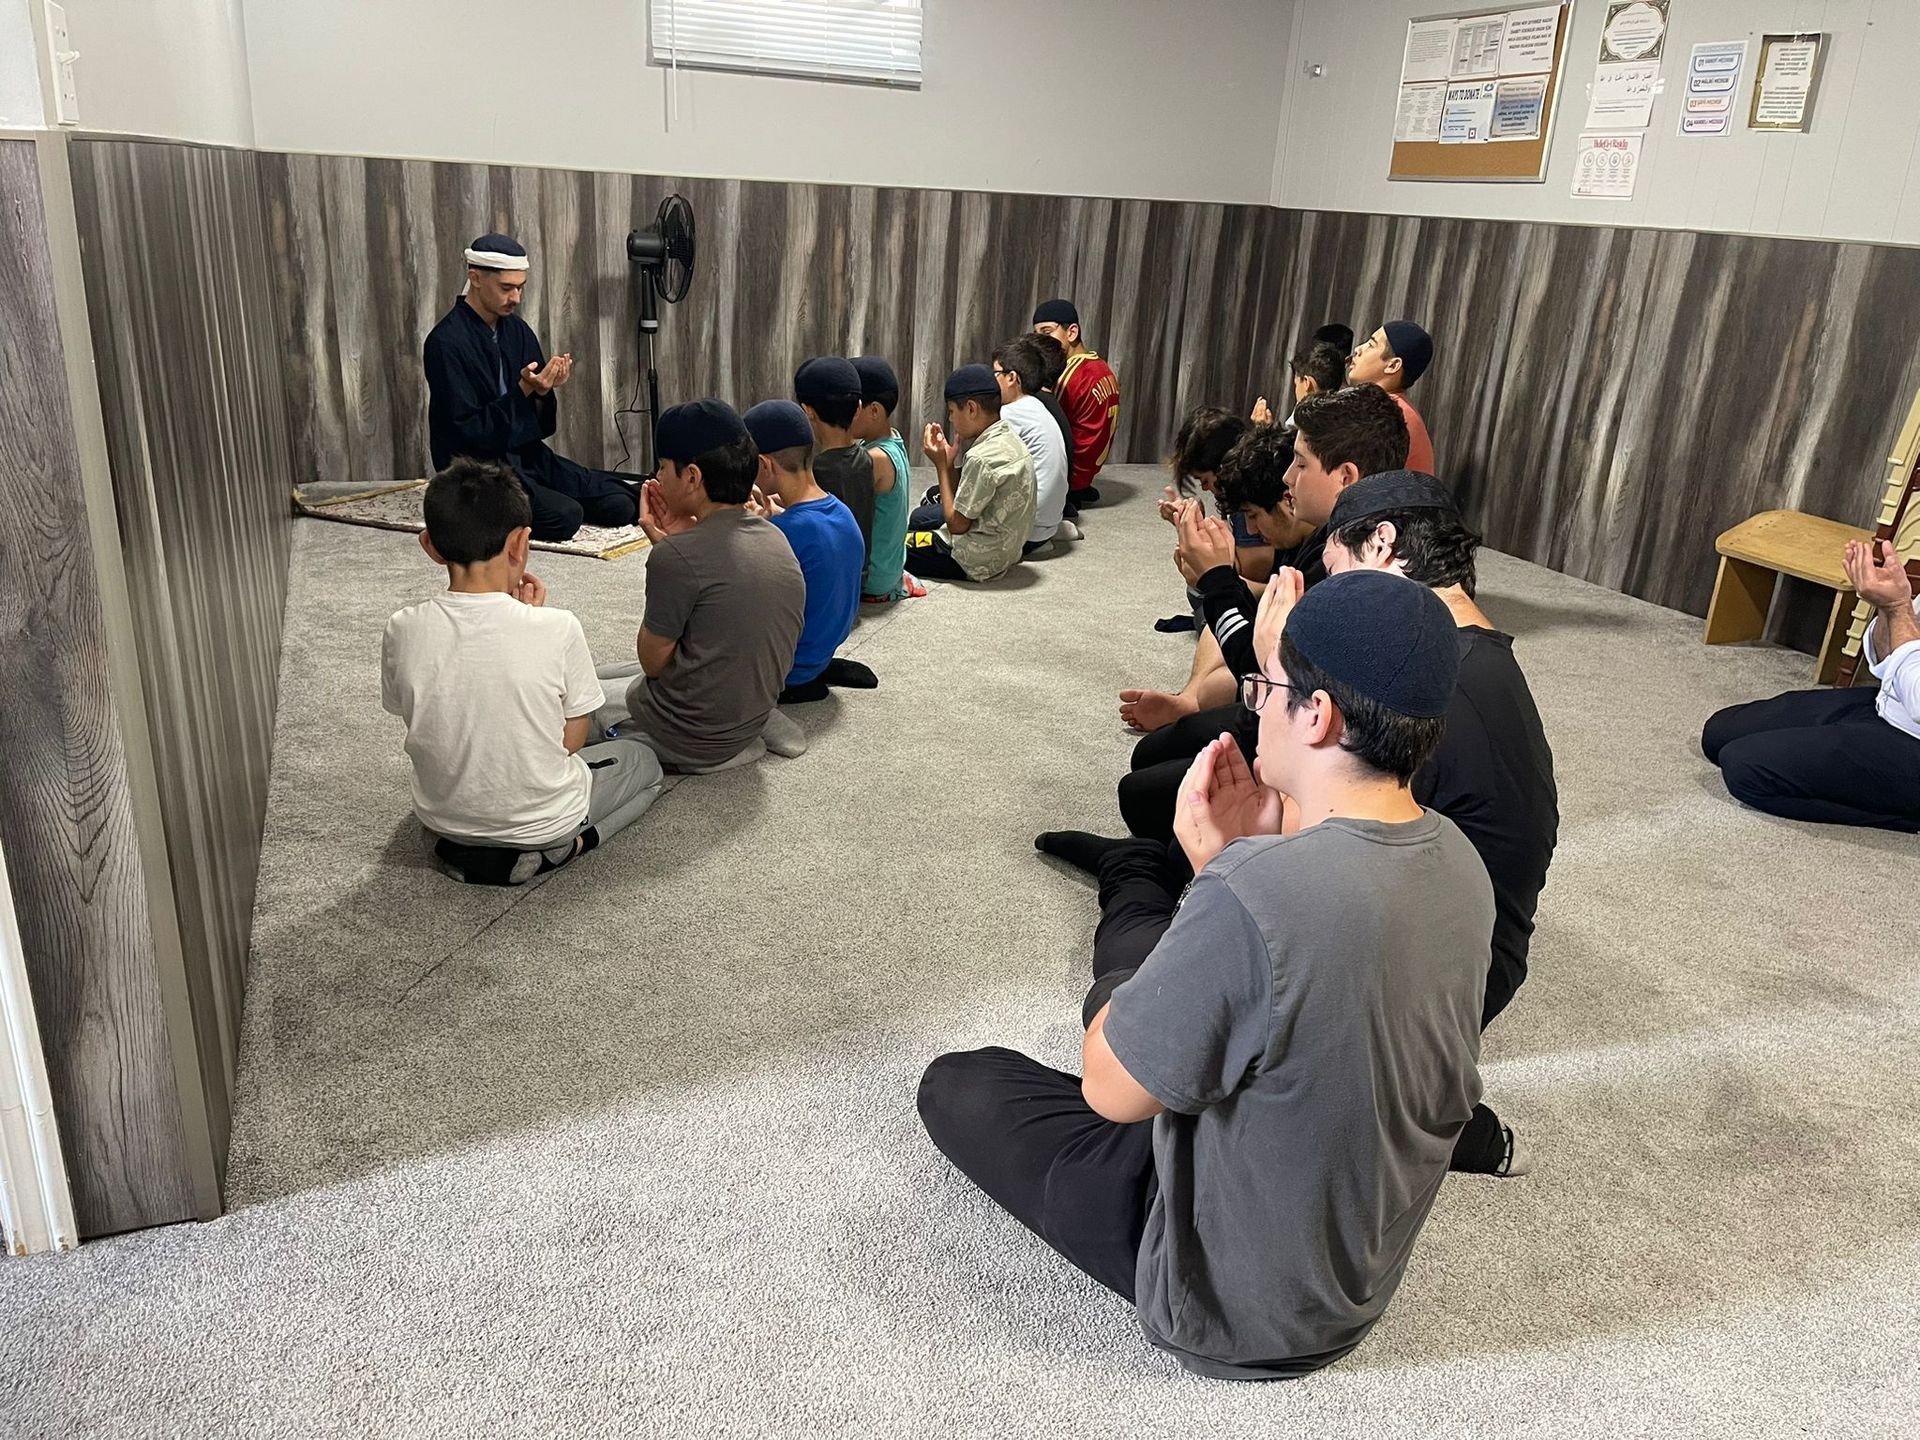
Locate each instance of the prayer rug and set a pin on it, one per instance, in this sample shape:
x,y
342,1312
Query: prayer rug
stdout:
x,y
397,507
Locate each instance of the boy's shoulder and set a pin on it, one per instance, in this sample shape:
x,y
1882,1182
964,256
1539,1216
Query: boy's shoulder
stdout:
x,y
1340,851
437,616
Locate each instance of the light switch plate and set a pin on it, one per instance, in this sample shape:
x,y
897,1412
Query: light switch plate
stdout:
x,y
66,94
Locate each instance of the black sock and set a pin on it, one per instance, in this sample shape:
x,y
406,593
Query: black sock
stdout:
x,y
849,675
1482,1146
1081,849
814,689
478,864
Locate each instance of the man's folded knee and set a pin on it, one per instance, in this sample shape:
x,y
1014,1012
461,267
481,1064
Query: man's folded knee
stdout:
x,y
1748,780
557,518
1717,733
950,1089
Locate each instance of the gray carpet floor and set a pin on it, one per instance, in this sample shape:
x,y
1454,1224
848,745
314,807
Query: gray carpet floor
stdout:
x,y
634,1151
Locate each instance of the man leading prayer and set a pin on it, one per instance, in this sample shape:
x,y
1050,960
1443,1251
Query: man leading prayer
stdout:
x,y
490,389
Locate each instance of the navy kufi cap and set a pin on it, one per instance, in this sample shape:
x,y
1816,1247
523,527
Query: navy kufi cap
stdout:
x,y
1412,344
778,425
1388,637
1056,312
972,380
686,432
1390,492
825,377
877,380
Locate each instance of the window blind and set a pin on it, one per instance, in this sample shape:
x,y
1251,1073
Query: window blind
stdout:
x,y
876,41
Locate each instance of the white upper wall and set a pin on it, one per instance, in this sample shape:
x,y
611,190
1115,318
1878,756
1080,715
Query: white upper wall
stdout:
x,y
1147,98
21,104
172,68
1855,176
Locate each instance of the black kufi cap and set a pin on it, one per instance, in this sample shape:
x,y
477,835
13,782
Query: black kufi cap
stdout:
x,y
877,380
1055,312
1412,344
824,378
971,381
1388,492
778,425
1388,637
686,432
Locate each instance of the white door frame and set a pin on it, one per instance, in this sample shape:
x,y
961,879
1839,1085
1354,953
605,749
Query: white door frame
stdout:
x,y
36,1207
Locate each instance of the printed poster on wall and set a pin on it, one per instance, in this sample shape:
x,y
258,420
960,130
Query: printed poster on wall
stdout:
x,y
1429,54
1635,30
1528,46
1477,46
1784,82
1605,166
1417,120
1713,78
1468,118
1518,109
1621,96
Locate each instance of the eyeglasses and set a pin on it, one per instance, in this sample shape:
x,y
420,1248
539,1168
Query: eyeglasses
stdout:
x,y
1256,689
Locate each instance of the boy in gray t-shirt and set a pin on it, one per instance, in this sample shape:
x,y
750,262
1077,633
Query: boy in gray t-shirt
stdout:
x,y
725,599
1304,1038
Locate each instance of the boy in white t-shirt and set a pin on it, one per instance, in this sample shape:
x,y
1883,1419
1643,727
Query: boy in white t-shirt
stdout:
x,y
1017,366
498,694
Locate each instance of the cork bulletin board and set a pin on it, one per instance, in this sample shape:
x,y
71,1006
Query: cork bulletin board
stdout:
x,y
1477,94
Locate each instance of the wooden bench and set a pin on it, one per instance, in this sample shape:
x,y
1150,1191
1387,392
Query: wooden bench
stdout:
x,y
1754,555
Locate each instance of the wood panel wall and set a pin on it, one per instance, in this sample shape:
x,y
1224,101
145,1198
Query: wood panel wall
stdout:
x,y
74,859
1608,399
192,392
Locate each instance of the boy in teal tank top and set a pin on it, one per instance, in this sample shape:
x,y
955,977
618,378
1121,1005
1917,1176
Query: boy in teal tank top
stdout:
x,y
886,578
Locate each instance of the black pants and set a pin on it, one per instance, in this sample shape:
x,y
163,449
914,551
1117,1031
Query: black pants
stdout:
x,y
927,515
1022,1132
1161,760
1140,889
1821,755
565,496
931,558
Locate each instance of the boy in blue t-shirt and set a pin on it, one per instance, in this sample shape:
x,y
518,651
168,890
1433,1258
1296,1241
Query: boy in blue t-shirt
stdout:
x,y
826,540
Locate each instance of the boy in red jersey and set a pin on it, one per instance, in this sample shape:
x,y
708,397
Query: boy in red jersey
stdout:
x,y
1089,392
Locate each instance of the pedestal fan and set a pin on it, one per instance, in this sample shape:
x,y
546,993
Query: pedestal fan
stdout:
x,y
664,253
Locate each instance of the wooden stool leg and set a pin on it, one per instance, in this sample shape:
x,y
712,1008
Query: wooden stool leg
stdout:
x,y
1838,623
1742,595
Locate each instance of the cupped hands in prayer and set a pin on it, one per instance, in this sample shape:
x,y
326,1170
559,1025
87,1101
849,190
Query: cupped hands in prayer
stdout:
x,y
936,447
1283,592
1206,541
531,590
655,518
1876,574
1221,802
539,380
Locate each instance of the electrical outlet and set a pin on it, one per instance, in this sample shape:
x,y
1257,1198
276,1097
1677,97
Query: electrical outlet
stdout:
x,y
66,94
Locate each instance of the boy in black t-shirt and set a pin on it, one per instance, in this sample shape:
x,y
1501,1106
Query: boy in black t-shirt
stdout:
x,y
828,389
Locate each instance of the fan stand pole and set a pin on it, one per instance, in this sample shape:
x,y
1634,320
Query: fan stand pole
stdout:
x,y
649,327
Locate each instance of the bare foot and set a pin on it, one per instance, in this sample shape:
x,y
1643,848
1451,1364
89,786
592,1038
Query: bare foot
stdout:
x,y
1154,709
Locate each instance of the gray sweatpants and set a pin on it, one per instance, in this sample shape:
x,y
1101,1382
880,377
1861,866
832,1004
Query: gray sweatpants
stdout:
x,y
626,780
624,682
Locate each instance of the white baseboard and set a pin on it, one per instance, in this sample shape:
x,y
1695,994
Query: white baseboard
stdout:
x,y
36,1207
